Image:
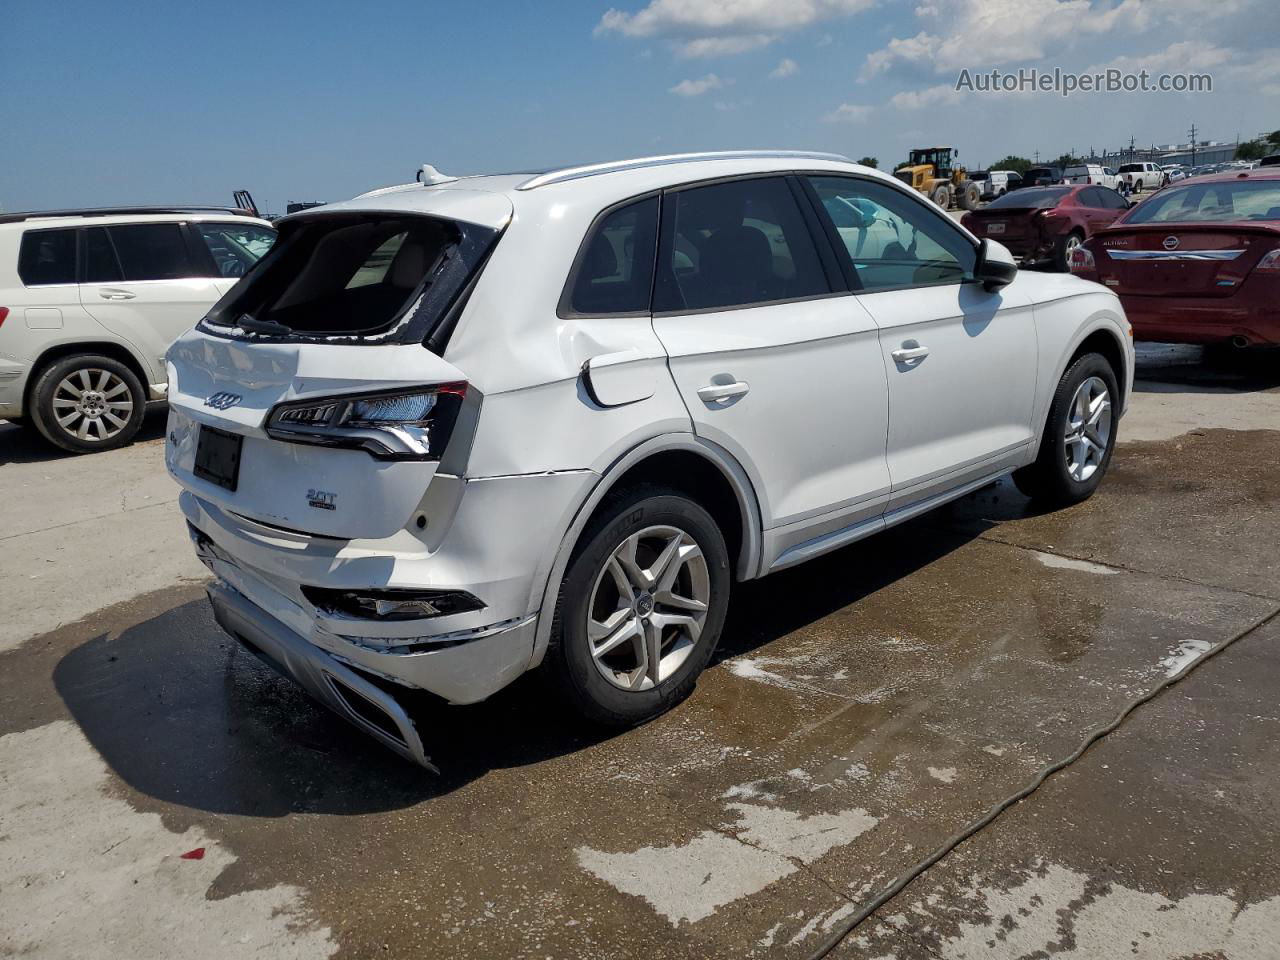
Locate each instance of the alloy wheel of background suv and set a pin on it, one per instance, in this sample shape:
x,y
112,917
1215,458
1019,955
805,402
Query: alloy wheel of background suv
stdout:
x,y
86,403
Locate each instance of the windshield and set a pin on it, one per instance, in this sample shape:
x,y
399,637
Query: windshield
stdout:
x,y
1221,202
1030,197
368,277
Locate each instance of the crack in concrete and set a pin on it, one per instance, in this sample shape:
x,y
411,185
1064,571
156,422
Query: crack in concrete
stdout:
x,y
74,523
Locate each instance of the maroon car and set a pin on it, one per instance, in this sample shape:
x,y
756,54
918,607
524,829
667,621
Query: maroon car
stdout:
x,y
1198,262
1046,223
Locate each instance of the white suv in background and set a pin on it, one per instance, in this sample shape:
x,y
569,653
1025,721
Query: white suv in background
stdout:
x,y
451,431
91,300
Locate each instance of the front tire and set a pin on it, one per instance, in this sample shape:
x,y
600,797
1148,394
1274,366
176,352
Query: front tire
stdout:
x,y
641,607
86,403
1079,436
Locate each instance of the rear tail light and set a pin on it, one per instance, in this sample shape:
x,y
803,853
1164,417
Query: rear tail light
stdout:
x,y
390,604
4,312
412,424
1270,262
1081,261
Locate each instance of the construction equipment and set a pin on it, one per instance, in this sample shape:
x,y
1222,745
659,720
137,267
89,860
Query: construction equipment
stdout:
x,y
931,171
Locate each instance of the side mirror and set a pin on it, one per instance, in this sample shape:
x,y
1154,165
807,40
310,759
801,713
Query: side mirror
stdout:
x,y
996,267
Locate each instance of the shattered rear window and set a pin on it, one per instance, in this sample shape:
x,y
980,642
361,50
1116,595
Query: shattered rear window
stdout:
x,y
377,277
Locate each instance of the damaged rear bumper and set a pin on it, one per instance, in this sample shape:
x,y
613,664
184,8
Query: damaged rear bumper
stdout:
x,y
359,684
335,685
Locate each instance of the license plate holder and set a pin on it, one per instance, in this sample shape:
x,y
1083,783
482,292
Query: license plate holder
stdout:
x,y
995,227
218,457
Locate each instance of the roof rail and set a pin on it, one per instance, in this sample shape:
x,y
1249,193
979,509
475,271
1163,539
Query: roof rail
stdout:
x,y
595,169
119,212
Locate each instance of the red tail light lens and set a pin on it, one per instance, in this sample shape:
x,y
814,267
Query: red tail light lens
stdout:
x,y
4,312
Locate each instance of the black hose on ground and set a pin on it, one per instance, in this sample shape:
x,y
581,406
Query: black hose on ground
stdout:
x,y
852,922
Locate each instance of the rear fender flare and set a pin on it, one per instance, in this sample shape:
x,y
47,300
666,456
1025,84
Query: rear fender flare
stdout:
x,y
749,557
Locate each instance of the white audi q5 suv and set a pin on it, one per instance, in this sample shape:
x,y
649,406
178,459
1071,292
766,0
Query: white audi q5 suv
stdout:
x,y
448,432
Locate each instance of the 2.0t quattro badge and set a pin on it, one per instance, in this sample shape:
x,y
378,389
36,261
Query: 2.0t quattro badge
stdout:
x,y
222,401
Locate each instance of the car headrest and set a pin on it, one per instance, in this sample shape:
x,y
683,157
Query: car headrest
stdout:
x,y
601,260
736,265
409,266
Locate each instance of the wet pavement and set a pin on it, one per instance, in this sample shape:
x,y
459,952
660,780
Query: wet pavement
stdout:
x,y
861,710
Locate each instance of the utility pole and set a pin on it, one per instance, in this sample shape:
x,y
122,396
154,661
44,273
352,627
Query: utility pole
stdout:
x,y
1036,156
1193,144
1130,157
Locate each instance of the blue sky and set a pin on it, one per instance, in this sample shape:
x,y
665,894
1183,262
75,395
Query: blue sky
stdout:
x,y
150,102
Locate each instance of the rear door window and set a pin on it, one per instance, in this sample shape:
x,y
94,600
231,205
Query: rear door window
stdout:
x,y
614,271
101,265
235,247
47,257
893,239
735,244
152,251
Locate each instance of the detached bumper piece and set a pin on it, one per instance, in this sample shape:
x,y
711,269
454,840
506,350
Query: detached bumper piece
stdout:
x,y
334,684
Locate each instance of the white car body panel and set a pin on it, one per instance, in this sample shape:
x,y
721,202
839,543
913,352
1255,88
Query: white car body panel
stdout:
x,y
813,358
829,439
951,409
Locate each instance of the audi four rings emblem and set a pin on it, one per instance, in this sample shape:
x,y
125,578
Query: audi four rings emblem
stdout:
x,y
221,401
1170,243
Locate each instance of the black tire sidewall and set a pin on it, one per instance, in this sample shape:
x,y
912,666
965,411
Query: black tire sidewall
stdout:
x,y
1053,446
571,657
42,413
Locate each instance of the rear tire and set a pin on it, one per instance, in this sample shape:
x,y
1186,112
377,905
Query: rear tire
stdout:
x,y
619,602
1079,436
971,196
86,403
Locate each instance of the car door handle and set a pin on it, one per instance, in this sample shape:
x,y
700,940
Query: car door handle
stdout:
x,y
909,352
723,392
109,293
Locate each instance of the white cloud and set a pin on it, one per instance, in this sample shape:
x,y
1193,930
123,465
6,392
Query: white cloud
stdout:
x,y
942,94
912,49
849,113
696,88
987,33
785,68
708,28
721,46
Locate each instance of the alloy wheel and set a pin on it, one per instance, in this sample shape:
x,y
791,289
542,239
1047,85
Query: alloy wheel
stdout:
x,y
1088,432
648,607
92,404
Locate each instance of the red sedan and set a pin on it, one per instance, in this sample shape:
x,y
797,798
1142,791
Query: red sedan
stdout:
x,y
1046,223
1198,262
